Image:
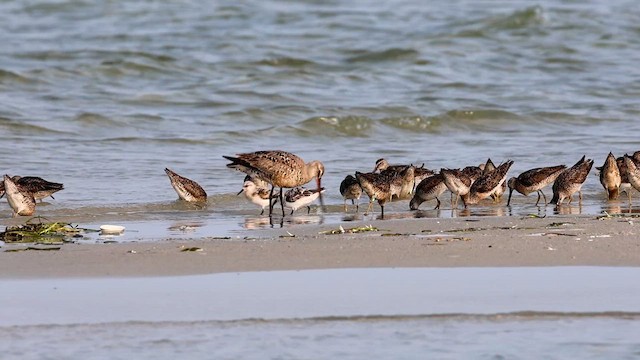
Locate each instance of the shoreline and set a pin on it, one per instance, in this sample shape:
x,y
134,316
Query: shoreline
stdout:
x,y
426,242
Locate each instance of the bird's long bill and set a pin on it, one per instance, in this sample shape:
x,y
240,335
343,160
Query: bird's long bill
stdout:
x,y
318,182
239,192
510,193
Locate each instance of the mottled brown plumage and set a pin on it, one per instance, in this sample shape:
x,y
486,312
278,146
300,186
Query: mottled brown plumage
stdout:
x,y
570,181
459,181
610,177
534,180
279,168
38,187
487,184
420,173
387,186
187,189
428,189
350,190
298,197
496,195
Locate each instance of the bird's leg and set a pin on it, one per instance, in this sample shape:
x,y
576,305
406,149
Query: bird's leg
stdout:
x,y
271,204
537,201
437,206
345,205
308,209
262,212
282,202
357,205
543,196
580,196
382,211
291,212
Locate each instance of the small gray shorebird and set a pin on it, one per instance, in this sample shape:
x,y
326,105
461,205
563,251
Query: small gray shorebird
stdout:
x,y
428,189
257,194
20,199
278,168
37,186
570,181
534,180
610,177
299,197
187,189
350,190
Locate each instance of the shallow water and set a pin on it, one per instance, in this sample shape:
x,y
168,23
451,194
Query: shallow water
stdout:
x,y
521,313
103,97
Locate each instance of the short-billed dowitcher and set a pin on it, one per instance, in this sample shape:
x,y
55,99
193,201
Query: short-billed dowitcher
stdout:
x,y
486,184
610,177
459,181
20,199
428,189
299,197
633,171
534,180
257,195
38,187
570,181
487,168
188,190
387,186
279,168
350,190
420,172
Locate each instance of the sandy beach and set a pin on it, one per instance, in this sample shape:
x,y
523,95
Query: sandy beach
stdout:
x,y
455,242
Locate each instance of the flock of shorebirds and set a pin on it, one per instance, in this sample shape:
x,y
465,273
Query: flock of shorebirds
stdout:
x,y
386,183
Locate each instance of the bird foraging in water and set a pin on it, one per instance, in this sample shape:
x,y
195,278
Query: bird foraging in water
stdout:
x,y
279,168
534,180
570,181
21,200
428,189
37,186
188,190
350,190
459,181
257,195
387,186
610,177
488,167
487,184
298,197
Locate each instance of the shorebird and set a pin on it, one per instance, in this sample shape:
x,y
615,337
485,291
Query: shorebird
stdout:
x,y
298,197
350,190
387,186
257,195
570,181
486,184
633,171
459,181
534,180
610,177
278,168
188,190
420,173
20,199
38,187
488,167
428,189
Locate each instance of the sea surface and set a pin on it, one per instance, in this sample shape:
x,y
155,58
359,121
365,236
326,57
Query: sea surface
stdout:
x,y
102,96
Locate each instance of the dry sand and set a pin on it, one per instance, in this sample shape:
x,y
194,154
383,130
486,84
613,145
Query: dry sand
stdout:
x,y
457,242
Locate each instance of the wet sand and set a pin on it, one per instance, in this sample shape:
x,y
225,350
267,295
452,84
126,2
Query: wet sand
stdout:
x,y
455,242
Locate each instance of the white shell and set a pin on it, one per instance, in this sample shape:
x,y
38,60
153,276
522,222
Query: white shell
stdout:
x,y
111,229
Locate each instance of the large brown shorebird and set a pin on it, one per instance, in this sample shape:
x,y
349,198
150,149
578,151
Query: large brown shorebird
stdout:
x,y
279,168
534,180
487,184
428,189
37,186
20,199
570,181
187,189
610,177
350,190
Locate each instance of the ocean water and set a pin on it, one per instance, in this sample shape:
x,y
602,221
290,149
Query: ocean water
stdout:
x,y
102,96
